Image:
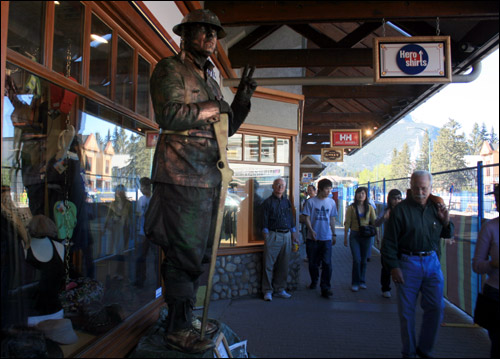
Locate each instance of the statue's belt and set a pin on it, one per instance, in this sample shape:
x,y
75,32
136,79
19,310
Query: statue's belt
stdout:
x,y
190,133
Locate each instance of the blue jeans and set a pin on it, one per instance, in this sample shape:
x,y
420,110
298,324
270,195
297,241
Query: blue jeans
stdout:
x,y
420,274
359,250
320,253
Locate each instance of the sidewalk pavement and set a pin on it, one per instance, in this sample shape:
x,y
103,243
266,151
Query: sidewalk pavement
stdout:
x,y
349,325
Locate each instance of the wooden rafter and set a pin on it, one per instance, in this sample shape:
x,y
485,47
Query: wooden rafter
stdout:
x,y
255,37
395,91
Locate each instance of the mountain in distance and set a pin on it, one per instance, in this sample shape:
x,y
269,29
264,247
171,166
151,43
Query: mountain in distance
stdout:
x,y
380,150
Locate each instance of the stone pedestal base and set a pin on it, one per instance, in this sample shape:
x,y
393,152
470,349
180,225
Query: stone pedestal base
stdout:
x,y
153,344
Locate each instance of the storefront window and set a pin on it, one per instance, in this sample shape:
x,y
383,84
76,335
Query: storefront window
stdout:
x,y
234,148
125,74
26,28
143,98
283,152
251,148
100,57
267,149
68,26
110,271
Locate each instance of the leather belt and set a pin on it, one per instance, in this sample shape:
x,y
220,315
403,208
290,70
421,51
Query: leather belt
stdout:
x,y
281,230
419,254
190,133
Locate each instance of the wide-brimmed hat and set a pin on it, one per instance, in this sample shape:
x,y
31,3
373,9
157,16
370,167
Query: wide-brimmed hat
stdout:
x,y
42,226
201,16
59,330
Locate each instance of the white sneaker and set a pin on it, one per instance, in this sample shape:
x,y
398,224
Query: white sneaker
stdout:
x,y
355,288
362,286
386,294
284,294
268,297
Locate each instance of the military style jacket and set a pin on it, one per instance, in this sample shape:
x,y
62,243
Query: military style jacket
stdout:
x,y
186,103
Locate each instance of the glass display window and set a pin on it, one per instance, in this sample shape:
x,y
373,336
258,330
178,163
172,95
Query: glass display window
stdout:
x,y
68,22
26,28
143,98
125,75
79,173
101,37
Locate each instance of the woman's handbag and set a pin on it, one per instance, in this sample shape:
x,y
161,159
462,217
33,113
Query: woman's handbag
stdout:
x,y
486,313
365,231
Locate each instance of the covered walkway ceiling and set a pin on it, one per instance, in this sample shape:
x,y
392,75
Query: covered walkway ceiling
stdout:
x,y
339,44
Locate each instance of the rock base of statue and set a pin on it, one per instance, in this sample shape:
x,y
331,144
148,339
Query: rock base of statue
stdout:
x,y
154,345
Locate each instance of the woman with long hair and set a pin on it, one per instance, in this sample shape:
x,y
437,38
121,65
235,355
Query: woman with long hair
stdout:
x,y
393,199
359,245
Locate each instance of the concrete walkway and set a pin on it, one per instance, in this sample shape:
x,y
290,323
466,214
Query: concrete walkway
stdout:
x,y
348,325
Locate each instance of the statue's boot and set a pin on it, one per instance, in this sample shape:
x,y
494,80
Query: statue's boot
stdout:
x,y
209,329
188,341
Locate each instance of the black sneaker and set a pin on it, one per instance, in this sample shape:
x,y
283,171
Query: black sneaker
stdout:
x,y
327,293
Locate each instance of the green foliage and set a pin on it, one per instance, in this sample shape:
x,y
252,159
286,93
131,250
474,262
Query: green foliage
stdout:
x,y
493,136
448,154
476,139
401,167
423,158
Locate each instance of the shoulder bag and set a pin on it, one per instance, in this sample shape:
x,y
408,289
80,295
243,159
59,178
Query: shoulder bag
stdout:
x,y
365,231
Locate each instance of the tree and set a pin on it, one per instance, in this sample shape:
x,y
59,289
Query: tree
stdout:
x,y
401,167
423,157
448,154
493,137
476,140
120,140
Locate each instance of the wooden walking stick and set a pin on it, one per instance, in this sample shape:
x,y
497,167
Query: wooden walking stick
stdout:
x,y
221,133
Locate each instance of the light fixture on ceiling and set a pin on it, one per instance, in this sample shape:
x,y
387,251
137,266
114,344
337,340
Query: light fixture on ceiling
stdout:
x,y
368,132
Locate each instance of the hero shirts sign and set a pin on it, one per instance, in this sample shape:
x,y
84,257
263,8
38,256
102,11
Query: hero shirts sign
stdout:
x,y
422,59
345,138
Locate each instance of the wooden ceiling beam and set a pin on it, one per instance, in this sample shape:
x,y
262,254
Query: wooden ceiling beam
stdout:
x,y
255,37
388,91
245,13
302,58
359,34
314,35
329,117
325,130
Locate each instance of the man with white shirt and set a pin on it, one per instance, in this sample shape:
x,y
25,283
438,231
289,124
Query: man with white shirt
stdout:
x,y
320,213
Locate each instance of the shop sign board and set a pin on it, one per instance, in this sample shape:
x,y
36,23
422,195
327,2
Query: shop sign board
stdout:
x,y
346,138
412,60
333,154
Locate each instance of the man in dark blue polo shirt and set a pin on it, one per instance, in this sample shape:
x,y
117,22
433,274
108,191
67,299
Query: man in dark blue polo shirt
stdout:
x,y
278,230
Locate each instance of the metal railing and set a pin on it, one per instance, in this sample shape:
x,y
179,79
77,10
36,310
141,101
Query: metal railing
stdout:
x,y
463,191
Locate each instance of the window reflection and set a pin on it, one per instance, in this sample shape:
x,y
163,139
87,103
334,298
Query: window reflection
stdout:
x,y
267,151
283,152
68,29
234,148
124,74
100,57
143,98
97,169
251,148
26,24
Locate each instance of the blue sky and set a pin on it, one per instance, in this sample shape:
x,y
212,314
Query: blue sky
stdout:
x,y
466,103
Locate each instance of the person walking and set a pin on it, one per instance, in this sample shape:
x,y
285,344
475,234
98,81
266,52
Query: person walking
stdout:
x,y
485,261
320,213
359,213
393,198
278,230
311,193
410,250
182,213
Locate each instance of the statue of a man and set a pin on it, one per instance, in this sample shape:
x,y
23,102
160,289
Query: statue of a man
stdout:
x,y
181,214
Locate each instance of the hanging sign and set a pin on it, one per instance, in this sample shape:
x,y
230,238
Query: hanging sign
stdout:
x,y
346,138
410,60
332,154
